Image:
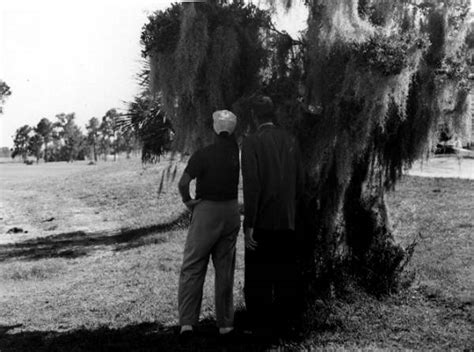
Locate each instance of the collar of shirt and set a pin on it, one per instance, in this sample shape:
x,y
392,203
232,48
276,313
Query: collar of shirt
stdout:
x,y
265,124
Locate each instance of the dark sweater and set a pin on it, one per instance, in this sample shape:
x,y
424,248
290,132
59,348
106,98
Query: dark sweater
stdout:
x,y
272,178
216,169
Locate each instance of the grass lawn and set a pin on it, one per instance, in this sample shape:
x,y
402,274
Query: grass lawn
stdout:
x,y
97,262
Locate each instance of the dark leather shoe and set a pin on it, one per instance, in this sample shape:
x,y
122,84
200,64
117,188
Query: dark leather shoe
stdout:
x,y
230,337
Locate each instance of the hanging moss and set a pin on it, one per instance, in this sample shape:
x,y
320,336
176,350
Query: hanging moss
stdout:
x,y
363,90
437,36
192,48
378,98
223,59
389,54
220,52
161,33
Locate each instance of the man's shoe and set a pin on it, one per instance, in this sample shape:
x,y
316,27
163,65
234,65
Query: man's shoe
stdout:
x,y
228,337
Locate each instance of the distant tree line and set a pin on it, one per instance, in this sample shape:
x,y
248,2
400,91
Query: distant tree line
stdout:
x,y
63,139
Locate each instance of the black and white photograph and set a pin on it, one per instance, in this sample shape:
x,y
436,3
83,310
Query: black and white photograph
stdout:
x,y
236,175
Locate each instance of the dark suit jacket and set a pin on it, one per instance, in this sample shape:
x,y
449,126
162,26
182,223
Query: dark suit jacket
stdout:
x,y
272,178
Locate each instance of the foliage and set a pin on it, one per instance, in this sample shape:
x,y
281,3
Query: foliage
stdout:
x,y
92,129
34,146
380,97
71,136
63,140
5,92
5,152
45,130
470,38
146,122
220,55
109,128
127,141
161,33
364,90
450,73
153,129
387,54
21,142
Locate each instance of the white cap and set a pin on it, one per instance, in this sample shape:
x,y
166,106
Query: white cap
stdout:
x,y
224,121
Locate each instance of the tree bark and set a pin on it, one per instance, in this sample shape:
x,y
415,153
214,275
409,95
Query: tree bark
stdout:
x,y
346,234
46,151
374,258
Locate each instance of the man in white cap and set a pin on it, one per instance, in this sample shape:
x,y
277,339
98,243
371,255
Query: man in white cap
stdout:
x,y
214,226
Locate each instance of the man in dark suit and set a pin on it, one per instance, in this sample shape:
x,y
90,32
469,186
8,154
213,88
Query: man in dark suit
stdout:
x,y
273,181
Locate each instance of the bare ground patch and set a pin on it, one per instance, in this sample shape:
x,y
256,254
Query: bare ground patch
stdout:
x,y
60,198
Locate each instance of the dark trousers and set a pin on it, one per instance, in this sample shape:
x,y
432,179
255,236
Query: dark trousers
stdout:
x,y
272,279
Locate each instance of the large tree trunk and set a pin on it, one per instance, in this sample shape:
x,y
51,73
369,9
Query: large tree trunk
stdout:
x,y
345,221
374,256
95,152
346,236
46,151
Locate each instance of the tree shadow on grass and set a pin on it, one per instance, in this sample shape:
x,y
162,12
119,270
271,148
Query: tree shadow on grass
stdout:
x,y
138,337
79,243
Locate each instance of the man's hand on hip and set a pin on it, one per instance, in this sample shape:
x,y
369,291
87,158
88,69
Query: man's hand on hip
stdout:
x,y
190,204
250,242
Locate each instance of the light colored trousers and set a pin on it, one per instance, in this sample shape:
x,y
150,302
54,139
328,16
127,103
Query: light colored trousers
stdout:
x,y
213,232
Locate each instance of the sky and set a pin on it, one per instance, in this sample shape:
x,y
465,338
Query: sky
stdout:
x,y
75,56
72,56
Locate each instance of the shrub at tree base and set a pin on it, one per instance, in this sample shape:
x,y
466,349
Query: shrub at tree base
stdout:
x,y
364,90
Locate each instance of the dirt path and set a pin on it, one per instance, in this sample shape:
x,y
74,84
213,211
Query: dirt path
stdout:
x,y
32,213
40,201
67,198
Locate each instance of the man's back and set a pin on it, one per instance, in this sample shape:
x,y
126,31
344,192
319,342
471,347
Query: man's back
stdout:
x,y
273,179
216,168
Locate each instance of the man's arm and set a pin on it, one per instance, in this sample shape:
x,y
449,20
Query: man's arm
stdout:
x,y
299,172
193,170
183,187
